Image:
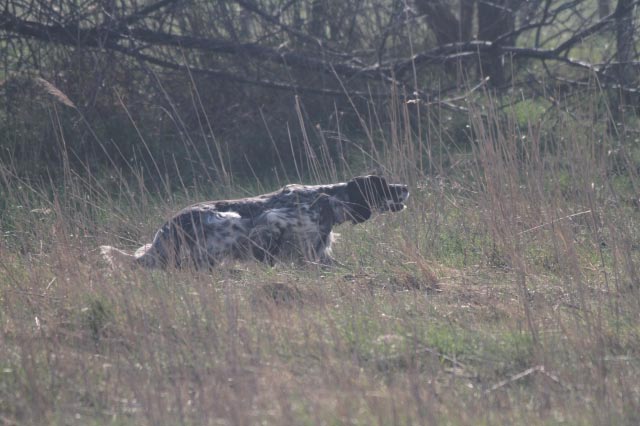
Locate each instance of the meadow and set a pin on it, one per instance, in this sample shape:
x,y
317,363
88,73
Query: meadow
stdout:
x,y
506,293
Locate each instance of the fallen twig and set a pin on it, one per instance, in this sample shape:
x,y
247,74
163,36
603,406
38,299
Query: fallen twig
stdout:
x,y
537,369
553,222
525,373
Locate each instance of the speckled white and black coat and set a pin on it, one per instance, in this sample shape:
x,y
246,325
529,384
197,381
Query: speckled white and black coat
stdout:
x,y
294,222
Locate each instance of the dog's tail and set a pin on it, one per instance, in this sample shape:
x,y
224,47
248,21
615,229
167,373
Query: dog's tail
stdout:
x,y
117,258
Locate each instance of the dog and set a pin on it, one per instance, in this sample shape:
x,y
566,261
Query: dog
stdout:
x,y
295,222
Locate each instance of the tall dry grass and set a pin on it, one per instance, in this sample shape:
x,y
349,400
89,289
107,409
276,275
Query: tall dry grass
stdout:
x,y
507,293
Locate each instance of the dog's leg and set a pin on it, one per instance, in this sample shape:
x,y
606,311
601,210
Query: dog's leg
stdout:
x,y
265,246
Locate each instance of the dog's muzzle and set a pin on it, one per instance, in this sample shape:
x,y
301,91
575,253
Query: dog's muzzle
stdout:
x,y
399,195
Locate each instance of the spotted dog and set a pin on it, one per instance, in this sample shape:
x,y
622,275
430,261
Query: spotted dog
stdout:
x,y
295,222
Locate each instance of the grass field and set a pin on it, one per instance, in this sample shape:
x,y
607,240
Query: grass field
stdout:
x,y
507,293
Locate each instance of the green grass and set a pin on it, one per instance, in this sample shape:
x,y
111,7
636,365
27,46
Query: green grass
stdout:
x,y
374,342
485,302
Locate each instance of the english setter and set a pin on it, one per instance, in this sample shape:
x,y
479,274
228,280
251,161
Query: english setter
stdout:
x,y
293,222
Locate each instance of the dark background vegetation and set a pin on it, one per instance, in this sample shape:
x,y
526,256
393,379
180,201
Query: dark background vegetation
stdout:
x,y
217,89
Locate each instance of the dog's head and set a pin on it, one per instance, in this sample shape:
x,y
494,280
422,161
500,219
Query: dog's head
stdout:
x,y
366,194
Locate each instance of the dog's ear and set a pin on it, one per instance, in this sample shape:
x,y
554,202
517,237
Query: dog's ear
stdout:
x,y
358,205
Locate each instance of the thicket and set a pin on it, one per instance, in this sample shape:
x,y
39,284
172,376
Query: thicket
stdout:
x,y
205,91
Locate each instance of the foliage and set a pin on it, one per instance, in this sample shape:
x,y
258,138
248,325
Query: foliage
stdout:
x,y
167,84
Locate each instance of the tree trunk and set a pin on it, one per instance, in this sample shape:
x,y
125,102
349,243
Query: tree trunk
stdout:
x,y
441,20
624,41
318,19
623,71
466,19
603,8
495,19
446,27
